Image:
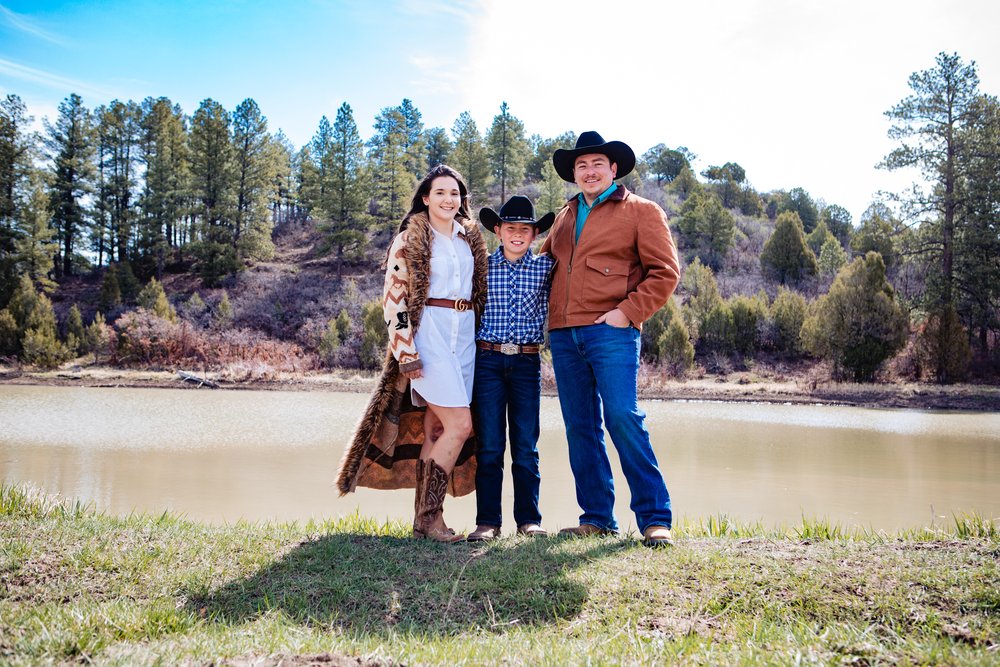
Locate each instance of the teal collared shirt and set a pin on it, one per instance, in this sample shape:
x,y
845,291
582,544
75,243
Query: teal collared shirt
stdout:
x,y
582,211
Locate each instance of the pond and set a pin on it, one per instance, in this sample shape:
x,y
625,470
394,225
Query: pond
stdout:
x,y
221,456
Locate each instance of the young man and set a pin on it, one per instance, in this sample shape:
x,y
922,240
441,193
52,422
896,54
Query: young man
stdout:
x,y
508,380
616,265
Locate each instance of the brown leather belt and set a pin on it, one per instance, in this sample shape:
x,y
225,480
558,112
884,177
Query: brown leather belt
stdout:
x,y
461,305
507,348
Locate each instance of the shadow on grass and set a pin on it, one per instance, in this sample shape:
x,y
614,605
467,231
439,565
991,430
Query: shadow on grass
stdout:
x,y
368,584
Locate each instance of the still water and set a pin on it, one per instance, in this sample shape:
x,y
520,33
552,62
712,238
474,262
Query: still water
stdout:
x,y
221,456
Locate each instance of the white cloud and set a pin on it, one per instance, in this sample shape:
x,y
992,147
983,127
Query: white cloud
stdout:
x,y
49,80
24,25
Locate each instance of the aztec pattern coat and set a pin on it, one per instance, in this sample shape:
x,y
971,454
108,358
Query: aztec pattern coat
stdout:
x,y
387,440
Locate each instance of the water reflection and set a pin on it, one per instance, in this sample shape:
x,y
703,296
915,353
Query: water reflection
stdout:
x,y
226,455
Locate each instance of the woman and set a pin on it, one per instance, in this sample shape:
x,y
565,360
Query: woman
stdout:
x,y
417,428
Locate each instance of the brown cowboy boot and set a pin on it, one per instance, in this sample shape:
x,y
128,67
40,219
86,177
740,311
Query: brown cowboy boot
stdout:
x,y
430,520
418,496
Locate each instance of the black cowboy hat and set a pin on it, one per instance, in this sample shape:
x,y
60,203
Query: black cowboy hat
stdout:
x,y
592,142
517,209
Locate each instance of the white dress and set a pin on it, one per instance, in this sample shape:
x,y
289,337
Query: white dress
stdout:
x,y
446,338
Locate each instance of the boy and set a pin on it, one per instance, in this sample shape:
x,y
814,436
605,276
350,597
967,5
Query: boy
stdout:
x,y
508,380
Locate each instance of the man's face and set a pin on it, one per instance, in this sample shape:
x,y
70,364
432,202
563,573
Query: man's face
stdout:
x,y
516,237
594,173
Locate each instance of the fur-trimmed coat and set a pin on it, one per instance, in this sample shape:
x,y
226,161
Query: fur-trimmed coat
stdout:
x,y
387,440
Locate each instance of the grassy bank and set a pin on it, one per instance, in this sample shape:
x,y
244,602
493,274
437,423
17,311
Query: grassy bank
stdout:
x,y
79,586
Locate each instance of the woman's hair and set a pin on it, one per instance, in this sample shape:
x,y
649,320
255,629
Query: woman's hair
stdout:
x,y
424,189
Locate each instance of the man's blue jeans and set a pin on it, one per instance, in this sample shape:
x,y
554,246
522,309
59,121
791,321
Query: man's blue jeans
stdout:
x,y
598,366
506,393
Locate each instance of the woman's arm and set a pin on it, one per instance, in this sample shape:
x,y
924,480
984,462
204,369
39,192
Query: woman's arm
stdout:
x,y
394,309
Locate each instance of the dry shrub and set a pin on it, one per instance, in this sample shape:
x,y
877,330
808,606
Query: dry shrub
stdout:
x,y
145,340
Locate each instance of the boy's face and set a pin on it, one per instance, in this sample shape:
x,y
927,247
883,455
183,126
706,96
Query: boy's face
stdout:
x,y
516,237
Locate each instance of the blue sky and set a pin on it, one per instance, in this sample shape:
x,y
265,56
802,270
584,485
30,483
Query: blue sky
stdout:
x,y
794,91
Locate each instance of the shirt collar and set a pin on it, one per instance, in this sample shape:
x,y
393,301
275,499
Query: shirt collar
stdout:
x,y
527,257
601,198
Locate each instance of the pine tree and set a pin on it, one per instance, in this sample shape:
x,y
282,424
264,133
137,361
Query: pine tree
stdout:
x,y
213,184
832,257
708,228
344,203
469,156
786,255
111,291
702,293
439,146
788,312
75,333
508,151
17,149
153,298
284,187
930,125
553,194
71,148
414,144
118,135
392,180
857,325
165,158
34,247
254,176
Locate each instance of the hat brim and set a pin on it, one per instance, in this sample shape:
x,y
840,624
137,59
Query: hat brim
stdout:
x,y
618,152
491,220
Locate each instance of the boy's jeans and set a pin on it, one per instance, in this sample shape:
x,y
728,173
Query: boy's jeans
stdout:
x,y
507,391
598,364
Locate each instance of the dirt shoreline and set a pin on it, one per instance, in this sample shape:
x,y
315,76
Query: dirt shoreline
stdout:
x,y
734,387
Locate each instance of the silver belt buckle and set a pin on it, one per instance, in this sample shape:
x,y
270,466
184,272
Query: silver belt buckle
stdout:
x,y
509,348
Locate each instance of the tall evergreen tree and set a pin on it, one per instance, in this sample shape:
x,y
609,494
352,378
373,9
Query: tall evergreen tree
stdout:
x,y
929,125
470,157
118,133
977,238
255,169
542,150
307,181
213,186
319,151
34,248
17,148
16,143
439,146
70,145
508,150
553,190
345,202
414,144
284,187
165,157
392,180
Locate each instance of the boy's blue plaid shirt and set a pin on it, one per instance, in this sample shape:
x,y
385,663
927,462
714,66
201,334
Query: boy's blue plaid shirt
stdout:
x,y
517,299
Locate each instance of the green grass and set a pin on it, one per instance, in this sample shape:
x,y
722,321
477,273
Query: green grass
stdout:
x,y
82,587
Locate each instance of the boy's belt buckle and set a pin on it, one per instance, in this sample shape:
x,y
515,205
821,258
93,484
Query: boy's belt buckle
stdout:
x,y
509,348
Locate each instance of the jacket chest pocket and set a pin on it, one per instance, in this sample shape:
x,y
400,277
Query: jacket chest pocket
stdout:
x,y
605,280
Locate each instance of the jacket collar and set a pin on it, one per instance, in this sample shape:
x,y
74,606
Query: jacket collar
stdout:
x,y
618,195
